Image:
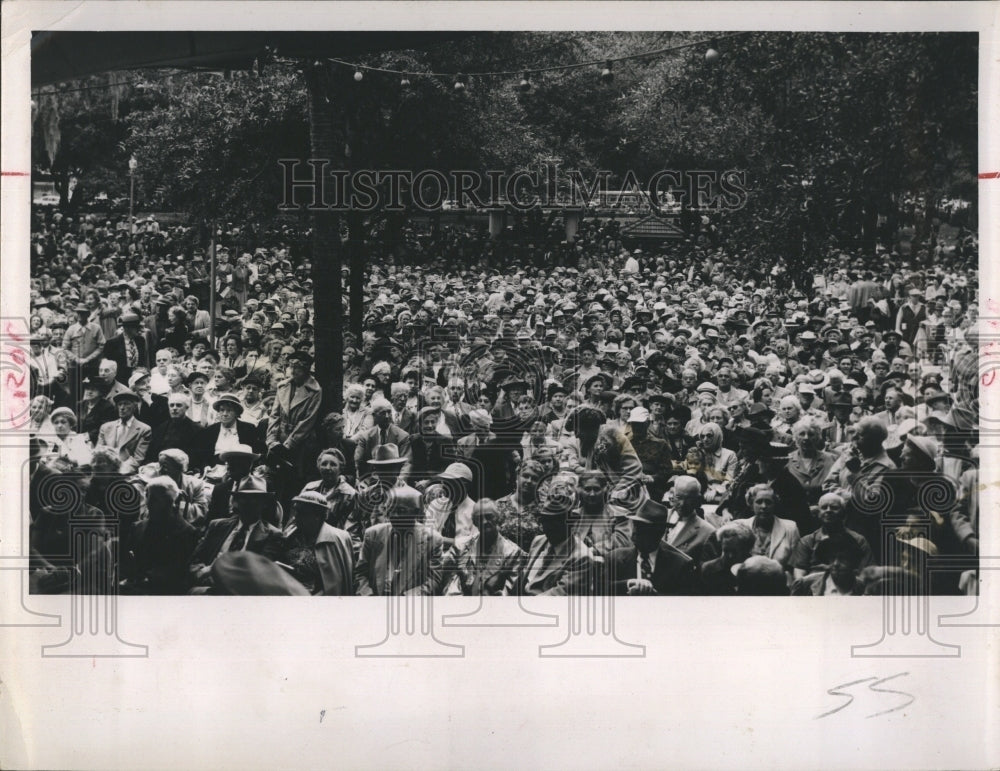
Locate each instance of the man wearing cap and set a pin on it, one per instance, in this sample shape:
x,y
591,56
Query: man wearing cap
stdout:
x,y
153,408
83,342
449,507
293,416
225,434
401,556
650,565
129,349
836,434
559,563
653,453
129,437
911,315
320,555
246,531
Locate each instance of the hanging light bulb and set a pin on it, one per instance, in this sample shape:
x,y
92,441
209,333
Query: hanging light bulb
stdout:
x,y
712,54
606,74
460,82
525,84
359,76
404,82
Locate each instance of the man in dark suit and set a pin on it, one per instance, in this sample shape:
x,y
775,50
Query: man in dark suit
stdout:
x,y
559,564
430,452
178,432
154,409
129,349
247,531
229,432
649,565
239,463
382,433
94,409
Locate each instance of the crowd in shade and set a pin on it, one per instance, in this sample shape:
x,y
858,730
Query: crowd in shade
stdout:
x,y
520,417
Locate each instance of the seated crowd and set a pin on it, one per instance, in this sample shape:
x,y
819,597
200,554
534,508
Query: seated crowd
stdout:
x,y
590,419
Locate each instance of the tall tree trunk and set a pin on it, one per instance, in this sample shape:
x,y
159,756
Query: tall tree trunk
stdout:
x,y
327,258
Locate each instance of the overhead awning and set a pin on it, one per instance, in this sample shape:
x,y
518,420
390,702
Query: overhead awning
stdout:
x,y
654,227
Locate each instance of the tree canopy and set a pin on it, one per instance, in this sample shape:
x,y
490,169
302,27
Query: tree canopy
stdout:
x,y
831,129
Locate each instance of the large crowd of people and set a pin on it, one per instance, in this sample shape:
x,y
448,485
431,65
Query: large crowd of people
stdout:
x,y
522,415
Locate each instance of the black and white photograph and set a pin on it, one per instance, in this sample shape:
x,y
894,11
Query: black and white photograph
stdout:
x,y
505,313
495,325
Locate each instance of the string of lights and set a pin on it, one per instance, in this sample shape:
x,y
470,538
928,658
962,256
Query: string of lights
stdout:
x,y
460,79
712,42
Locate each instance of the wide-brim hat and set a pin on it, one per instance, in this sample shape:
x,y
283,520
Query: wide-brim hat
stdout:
x,y
312,498
239,451
937,396
753,437
760,411
252,485
680,412
302,357
230,399
195,376
920,543
651,513
514,382
93,382
777,451
126,394
603,377
386,455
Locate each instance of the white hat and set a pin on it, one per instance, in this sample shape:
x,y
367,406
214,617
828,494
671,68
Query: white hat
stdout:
x,y
638,415
456,471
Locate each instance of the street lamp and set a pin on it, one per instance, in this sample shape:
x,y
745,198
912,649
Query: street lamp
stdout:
x,y
132,165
